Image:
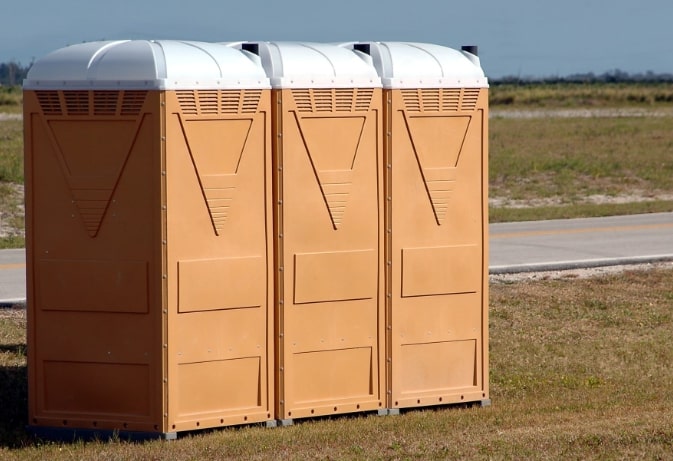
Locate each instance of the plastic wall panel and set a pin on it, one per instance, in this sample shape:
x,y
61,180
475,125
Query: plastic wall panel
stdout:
x,y
93,245
219,258
329,216
437,247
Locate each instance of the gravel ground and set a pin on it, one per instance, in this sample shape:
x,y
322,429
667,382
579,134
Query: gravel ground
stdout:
x,y
12,211
575,273
4,116
581,113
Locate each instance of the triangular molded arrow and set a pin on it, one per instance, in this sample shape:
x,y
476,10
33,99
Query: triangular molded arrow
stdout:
x,y
332,146
438,142
93,154
216,148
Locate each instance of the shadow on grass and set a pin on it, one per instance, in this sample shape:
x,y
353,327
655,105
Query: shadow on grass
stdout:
x,y
13,401
19,349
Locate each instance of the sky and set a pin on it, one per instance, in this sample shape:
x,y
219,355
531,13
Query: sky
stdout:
x,y
520,38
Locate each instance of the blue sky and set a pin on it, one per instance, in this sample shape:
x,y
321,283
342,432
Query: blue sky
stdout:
x,y
528,38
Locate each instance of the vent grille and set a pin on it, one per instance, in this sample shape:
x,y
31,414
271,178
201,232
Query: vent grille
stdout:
x,y
97,102
441,99
105,102
333,99
187,101
470,98
49,102
76,102
218,102
132,102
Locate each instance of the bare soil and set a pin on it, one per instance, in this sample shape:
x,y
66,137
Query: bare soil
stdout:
x,y
12,211
596,199
582,273
582,112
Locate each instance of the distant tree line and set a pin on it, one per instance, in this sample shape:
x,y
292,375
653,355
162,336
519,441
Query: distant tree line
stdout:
x,y
614,76
13,73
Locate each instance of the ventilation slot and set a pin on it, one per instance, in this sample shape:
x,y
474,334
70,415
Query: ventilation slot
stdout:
x,y
445,99
132,102
76,102
302,99
363,99
470,97
430,101
412,100
49,102
105,102
91,102
218,102
187,101
333,100
343,100
230,102
251,101
208,102
322,101
450,99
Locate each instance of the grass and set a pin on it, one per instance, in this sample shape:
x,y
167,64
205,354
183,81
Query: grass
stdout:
x,y
11,99
573,95
567,160
597,388
12,241
577,210
11,151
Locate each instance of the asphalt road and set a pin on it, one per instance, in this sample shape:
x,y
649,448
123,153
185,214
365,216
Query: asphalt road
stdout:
x,y
514,247
12,276
575,243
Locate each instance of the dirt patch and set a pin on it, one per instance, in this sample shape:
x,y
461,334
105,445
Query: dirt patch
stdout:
x,y
5,116
12,210
581,273
582,113
595,199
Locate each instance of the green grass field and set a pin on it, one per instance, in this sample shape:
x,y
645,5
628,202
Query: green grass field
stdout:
x,y
11,99
586,95
596,388
581,166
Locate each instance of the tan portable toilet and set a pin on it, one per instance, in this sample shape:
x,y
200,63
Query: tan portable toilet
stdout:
x,y
149,248
328,191
436,151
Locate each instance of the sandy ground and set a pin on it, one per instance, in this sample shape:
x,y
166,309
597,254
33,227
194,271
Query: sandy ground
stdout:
x,y
4,116
576,273
598,199
582,113
12,210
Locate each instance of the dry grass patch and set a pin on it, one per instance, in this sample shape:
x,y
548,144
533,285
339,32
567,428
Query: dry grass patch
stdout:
x,y
571,162
580,369
591,95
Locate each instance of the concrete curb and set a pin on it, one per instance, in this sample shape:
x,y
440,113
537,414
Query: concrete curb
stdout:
x,y
579,264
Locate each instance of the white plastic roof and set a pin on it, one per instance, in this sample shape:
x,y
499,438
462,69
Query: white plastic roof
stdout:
x,y
144,64
424,65
314,65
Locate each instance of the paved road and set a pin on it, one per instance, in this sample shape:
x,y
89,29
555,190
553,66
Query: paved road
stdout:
x,y
573,243
514,247
12,276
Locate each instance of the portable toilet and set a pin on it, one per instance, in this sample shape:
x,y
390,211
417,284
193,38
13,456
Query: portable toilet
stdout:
x,y
149,249
436,154
328,195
